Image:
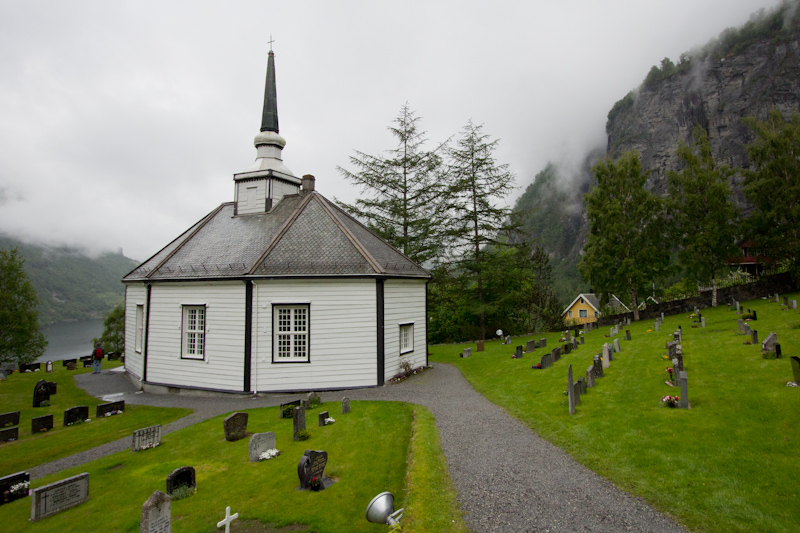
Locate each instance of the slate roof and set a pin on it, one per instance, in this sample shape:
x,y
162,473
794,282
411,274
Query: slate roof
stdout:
x,y
304,235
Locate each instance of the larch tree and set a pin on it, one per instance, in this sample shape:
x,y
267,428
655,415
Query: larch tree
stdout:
x,y
20,338
703,215
626,248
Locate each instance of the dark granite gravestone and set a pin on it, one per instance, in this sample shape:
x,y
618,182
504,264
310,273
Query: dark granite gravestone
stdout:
x,y
795,368
145,438
110,409
181,477
312,465
321,418
571,391
518,352
9,419
87,362
345,405
582,339
156,514
568,348
260,443
785,300
545,362
755,315
40,424
65,362
755,336
627,334
14,487
582,385
9,434
479,346
41,393
293,404
298,421
530,346
778,354
598,366
542,343
30,367
79,413
59,496
556,354
235,426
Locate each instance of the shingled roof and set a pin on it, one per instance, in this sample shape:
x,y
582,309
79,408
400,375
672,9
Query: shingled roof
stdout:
x,y
304,235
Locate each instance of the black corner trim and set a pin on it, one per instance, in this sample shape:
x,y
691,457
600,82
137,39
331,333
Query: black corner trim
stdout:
x,y
248,333
146,334
380,344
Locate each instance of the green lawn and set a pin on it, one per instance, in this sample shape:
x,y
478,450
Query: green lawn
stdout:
x,y
728,464
16,394
367,450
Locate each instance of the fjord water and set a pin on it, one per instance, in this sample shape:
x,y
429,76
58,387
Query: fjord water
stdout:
x,y
67,340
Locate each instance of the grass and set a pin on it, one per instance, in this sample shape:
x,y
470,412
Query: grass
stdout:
x,y
728,464
16,394
367,452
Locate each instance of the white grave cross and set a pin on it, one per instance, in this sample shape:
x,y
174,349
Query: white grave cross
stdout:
x,y
228,519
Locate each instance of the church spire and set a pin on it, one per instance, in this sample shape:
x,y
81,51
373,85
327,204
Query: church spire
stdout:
x,y
269,118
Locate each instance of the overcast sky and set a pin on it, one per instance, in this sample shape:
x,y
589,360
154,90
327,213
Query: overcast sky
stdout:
x,y
122,123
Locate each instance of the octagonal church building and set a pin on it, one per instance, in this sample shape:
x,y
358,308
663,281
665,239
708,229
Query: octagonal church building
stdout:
x,y
279,290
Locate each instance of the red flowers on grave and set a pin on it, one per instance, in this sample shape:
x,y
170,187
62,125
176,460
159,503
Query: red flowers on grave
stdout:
x,y
670,372
670,401
315,483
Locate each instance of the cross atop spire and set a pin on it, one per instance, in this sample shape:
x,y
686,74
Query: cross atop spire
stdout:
x,y
271,40
269,118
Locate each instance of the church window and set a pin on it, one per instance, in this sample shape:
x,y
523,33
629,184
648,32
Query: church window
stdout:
x,y
194,332
139,328
291,333
406,338
583,313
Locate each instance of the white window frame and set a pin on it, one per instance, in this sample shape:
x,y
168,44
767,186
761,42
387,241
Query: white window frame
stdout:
x,y
583,313
406,340
139,336
191,332
569,314
291,333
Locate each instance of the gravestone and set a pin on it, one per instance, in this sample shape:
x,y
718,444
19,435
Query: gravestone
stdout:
x,y
518,352
41,393
567,349
702,322
582,385
235,426
571,391
777,299
298,421
312,465
611,331
156,514
795,368
312,398
568,336
786,300
479,346
662,317
293,404
66,362
627,334
582,339
9,419
321,418
345,405
181,477
598,367
617,348
467,352
747,329
49,367
546,361
755,336
606,355
59,496
87,362
590,377
577,393
109,409
30,367
508,339
575,343
769,343
683,382
79,413
778,351
20,480
755,315
542,343
737,307
260,443
40,424
556,354
656,325
530,346
794,305
143,439
741,325
9,434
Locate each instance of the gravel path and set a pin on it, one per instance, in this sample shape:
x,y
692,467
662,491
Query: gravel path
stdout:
x,y
507,477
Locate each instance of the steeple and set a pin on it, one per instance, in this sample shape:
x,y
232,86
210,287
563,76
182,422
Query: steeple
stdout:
x,y
269,118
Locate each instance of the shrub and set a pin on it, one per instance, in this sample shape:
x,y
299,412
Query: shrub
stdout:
x,y
303,434
184,491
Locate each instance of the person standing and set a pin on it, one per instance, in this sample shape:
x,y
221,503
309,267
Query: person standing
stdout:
x,y
98,358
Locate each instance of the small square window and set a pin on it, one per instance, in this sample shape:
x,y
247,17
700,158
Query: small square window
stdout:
x,y
583,313
291,333
194,332
406,338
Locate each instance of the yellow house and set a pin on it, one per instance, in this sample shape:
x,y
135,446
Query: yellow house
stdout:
x,y
583,309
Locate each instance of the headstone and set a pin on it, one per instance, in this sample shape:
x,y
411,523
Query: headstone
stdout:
x,y
556,354
259,443
571,391
755,315
59,496
777,299
9,434
312,398
617,348
298,421
235,426
293,404
574,343
546,361
143,439
79,413
568,336
702,322
345,405
568,348
41,393
590,377
629,323
20,482
582,385
508,339
737,307
49,367
778,351
87,362
577,393
794,305
40,424
755,336
786,300
321,418
656,325
769,343
467,352
662,317
156,514
747,329
518,352
227,520
683,381
312,465
741,325
66,362
479,347
30,367
611,331
606,355
181,477
110,409
598,367
542,343
795,368
530,346
582,339
9,419
627,334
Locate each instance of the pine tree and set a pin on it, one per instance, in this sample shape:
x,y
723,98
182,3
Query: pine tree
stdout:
x,y
113,337
20,338
403,191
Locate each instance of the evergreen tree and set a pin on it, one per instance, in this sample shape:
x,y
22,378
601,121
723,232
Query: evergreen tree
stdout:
x,y
626,248
403,192
704,216
113,337
20,338
477,182
774,187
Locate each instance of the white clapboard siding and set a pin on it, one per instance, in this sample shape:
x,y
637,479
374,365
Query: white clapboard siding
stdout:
x,y
281,189
343,329
135,294
404,302
251,196
223,366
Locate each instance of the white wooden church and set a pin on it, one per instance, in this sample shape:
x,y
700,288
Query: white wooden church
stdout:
x,y
279,290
